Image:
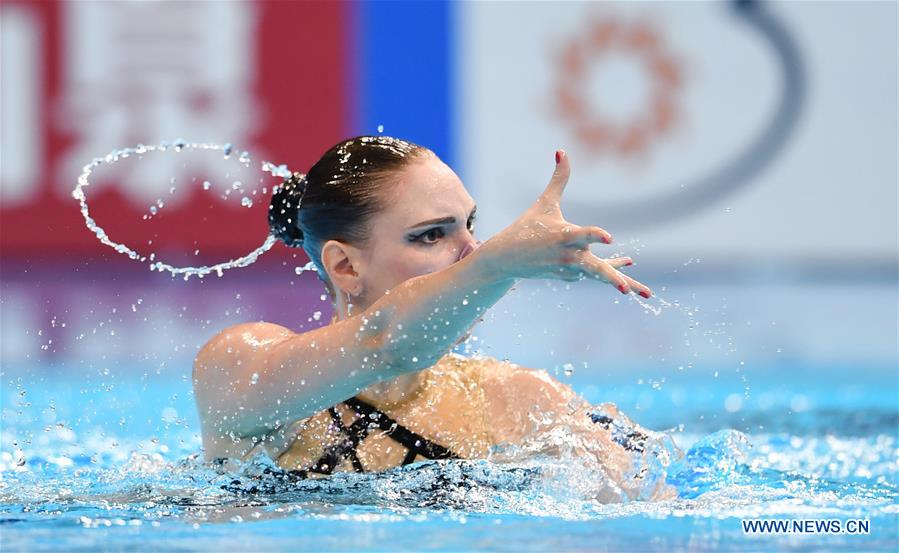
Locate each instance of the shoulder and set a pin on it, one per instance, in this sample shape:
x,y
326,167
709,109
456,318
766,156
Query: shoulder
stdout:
x,y
504,379
221,373
250,334
239,340
515,394
498,373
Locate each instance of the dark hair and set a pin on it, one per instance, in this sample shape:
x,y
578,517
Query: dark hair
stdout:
x,y
336,198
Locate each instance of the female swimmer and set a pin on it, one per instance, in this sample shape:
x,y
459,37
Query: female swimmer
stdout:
x,y
390,229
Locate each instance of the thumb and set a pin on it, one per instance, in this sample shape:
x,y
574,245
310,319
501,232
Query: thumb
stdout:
x,y
559,180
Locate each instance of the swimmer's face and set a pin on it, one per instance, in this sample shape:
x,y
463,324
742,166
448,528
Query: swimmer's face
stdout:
x,y
428,222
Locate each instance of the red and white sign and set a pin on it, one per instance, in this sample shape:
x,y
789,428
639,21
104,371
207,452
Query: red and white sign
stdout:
x,y
83,78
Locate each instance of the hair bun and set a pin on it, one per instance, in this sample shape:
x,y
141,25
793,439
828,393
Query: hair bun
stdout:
x,y
283,212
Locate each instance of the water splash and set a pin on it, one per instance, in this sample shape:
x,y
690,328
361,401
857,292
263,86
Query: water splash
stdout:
x,y
310,266
711,463
179,145
94,473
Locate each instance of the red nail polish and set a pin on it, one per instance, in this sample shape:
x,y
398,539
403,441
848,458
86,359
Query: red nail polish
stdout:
x,y
645,294
558,157
623,288
629,263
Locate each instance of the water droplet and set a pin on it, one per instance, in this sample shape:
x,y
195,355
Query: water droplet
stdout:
x,y
254,378
380,129
307,267
568,369
246,202
207,185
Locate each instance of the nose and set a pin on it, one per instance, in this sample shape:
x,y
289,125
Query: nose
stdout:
x,y
469,247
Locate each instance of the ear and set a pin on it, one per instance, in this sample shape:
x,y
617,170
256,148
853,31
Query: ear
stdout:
x,y
342,263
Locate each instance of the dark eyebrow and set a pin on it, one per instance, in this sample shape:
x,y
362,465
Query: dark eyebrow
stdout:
x,y
441,220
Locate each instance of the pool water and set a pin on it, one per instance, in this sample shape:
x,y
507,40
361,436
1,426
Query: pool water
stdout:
x,y
108,459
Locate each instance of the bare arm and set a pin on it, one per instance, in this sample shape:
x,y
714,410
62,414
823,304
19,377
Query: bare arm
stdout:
x,y
253,378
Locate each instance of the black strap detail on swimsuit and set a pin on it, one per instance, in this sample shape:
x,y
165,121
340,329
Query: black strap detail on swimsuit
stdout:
x,y
632,441
370,418
415,443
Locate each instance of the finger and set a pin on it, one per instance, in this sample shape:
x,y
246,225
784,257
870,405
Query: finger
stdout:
x,y
618,262
584,236
638,287
602,270
559,180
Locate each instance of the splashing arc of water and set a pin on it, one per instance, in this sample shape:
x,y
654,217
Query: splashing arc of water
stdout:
x,y
177,146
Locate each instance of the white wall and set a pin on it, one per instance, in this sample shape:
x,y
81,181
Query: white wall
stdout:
x,y
830,192
803,254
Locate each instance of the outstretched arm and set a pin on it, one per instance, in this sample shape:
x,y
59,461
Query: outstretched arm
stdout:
x,y
253,378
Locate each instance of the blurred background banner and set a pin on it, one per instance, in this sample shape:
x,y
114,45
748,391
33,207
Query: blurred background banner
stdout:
x,y
736,129
745,153
83,78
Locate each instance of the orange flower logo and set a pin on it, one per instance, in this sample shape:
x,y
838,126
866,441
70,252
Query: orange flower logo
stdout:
x,y
607,40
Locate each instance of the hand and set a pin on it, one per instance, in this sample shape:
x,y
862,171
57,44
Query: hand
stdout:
x,y
542,244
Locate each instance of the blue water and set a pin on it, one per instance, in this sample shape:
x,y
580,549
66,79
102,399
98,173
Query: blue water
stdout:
x,y
106,459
